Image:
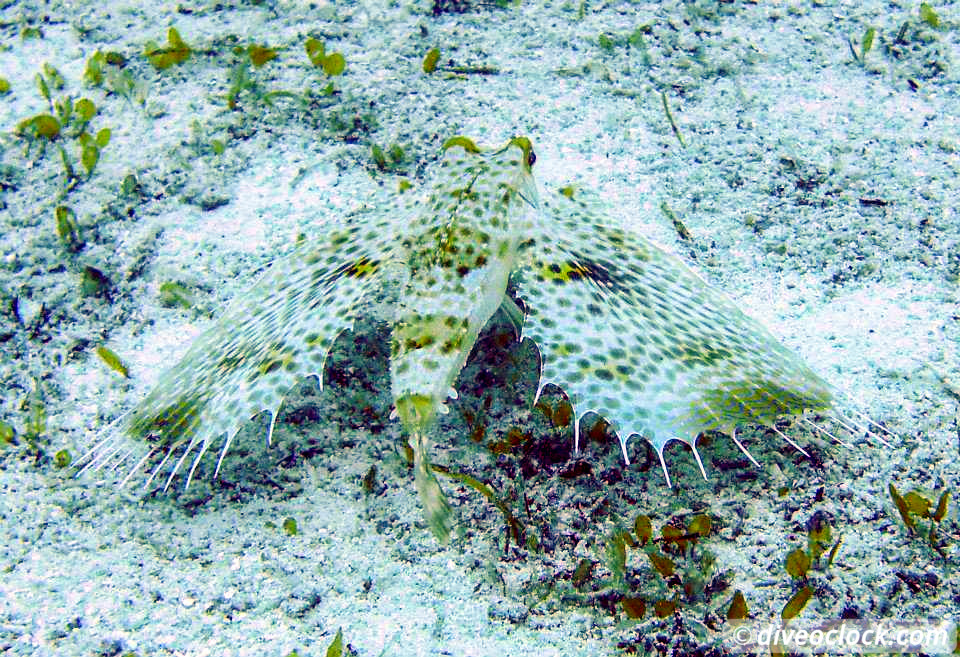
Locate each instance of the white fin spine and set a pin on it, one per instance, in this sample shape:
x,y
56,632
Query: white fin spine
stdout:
x,y
663,465
732,432
696,455
789,440
818,428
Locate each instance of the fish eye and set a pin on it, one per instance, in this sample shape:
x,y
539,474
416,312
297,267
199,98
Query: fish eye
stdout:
x,y
531,158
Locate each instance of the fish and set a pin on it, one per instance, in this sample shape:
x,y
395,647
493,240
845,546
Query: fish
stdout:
x,y
625,328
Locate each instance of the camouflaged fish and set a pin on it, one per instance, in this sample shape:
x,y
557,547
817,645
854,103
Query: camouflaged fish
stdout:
x,y
624,328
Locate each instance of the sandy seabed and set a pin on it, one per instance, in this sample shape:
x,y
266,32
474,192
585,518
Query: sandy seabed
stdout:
x,y
818,185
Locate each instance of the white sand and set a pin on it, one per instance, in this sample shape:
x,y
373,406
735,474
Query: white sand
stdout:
x,y
785,135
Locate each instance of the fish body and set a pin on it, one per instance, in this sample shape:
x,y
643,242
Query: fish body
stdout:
x,y
626,329
461,247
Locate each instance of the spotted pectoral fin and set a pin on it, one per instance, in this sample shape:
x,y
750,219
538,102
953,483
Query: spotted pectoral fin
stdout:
x,y
632,333
277,332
